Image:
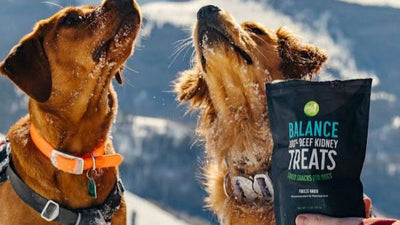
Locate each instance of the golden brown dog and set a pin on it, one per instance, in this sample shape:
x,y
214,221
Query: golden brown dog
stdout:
x,y
66,66
227,84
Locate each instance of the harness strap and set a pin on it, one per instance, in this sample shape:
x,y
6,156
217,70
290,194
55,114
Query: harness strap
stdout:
x,y
52,211
3,177
4,152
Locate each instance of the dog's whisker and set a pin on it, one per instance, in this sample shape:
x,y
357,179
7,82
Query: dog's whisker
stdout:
x,y
181,49
262,54
182,44
54,4
130,69
178,49
188,42
128,82
193,61
193,53
189,30
187,50
178,42
174,59
91,23
259,49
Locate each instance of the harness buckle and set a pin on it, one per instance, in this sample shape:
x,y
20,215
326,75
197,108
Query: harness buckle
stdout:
x,y
67,163
50,211
243,188
262,185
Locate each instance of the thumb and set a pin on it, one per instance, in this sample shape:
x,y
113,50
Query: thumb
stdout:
x,y
315,219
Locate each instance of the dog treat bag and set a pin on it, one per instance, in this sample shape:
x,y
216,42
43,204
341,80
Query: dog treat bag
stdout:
x,y
320,134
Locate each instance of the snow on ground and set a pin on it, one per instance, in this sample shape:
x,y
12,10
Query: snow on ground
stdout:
x,y
144,126
396,122
147,213
136,129
383,3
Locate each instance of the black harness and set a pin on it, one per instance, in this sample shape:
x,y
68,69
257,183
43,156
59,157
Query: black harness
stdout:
x,y
52,211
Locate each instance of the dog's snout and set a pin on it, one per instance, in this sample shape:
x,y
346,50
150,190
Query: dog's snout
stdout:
x,y
207,12
124,4
121,5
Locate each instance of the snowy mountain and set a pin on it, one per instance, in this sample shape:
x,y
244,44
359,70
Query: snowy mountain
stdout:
x,y
143,212
161,162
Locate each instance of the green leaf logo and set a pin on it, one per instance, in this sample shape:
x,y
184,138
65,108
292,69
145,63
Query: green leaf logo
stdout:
x,y
311,108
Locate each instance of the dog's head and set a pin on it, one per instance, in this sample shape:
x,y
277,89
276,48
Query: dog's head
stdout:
x,y
235,61
227,83
74,52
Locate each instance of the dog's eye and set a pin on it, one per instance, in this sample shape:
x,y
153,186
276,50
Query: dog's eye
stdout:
x,y
256,30
71,19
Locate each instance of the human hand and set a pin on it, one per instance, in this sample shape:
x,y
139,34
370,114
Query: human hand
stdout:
x,y
315,219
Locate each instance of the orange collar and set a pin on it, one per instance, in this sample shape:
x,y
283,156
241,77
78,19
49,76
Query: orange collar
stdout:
x,y
74,164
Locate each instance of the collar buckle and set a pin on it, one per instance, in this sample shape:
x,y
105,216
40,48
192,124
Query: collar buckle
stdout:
x,y
62,161
50,211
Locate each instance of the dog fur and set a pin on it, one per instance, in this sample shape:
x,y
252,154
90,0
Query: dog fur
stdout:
x,y
66,66
227,85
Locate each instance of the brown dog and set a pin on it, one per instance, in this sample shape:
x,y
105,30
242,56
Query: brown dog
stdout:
x,y
66,66
227,84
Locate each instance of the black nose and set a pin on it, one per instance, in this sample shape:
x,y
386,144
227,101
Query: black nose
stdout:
x,y
207,11
122,5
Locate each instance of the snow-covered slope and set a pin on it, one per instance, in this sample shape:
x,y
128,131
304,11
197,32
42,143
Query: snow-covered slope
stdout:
x,y
160,162
143,212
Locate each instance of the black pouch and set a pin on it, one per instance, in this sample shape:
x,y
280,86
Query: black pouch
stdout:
x,y
320,134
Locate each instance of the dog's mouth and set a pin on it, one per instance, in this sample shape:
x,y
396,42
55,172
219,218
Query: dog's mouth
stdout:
x,y
112,48
209,35
101,50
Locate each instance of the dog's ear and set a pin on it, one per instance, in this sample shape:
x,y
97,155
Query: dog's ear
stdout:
x,y
298,61
28,67
192,88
